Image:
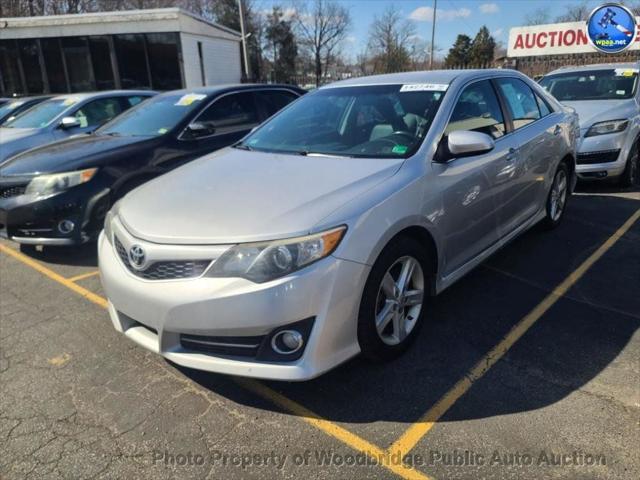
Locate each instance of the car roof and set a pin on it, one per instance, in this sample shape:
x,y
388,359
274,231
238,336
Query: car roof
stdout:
x,y
106,93
213,90
595,66
430,76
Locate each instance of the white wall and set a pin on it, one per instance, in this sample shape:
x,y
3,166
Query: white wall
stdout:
x,y
221,58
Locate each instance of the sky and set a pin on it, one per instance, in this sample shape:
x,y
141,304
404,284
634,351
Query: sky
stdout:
x,y
453,17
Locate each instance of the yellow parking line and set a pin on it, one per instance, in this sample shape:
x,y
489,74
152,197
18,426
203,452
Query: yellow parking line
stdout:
x,y
350,439
83,276
419,429
354,441
89,295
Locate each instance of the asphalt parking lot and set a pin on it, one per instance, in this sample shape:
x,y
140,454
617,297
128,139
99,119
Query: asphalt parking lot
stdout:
x,y
528,368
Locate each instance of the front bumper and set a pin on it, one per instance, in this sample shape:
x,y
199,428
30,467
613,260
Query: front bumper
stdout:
x,y
32,220
155,314
602,156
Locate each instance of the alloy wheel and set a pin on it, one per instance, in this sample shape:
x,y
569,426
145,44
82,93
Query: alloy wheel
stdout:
x,y
399,300
558,197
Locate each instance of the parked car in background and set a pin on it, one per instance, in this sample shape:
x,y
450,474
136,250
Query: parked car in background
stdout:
x,y
607,99
63,116
58,194
322,233
13,108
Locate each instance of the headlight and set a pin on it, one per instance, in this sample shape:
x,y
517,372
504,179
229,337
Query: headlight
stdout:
x,y
610,126
58,182
107,225
261,262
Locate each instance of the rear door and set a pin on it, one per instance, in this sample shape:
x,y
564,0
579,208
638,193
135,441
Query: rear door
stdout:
x,y
472,185
534,133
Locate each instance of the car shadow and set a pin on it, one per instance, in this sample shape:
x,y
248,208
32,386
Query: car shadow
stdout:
x,y
85,255
570,345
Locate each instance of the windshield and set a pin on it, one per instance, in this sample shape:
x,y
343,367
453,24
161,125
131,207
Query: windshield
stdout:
x,y
153,117
42,114
378,121
610,84
9,106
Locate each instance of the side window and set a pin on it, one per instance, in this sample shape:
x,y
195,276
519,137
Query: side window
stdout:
x,y
133,101
478,109
275,100
98,112
231,112
521,101
542,105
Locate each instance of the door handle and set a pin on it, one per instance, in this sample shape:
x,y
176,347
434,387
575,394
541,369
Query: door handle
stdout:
x,y
557,130
511,154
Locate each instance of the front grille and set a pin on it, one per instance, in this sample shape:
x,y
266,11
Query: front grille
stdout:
x,y
592,158
163,270
231,346
8,192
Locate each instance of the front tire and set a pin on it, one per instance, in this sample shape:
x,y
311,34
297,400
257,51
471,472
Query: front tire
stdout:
x,y
392,308
557,199
631,175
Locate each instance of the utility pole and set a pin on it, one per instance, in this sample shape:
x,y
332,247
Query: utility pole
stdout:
x,y
433,33
244,41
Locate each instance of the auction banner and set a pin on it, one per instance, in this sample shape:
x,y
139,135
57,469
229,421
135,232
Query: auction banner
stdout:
x,y
554,39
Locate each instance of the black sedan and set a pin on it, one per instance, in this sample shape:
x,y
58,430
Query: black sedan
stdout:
x,y
59,194
11,109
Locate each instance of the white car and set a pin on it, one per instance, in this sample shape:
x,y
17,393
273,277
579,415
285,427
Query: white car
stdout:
x,y
607,100
322,234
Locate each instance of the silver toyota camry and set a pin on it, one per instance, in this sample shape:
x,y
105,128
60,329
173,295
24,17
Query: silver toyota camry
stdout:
x,y
323,233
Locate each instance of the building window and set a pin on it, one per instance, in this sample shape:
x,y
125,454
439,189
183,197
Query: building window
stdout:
x,y
11,82
29,55
163,61
77,59
132,60
54,65
101,61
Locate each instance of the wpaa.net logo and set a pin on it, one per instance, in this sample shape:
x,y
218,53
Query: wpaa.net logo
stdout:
x,y
612,28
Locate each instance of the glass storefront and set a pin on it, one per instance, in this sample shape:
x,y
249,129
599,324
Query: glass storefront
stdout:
x,y
88,63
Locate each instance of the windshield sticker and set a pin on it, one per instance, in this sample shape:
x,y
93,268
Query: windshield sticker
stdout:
x,y
162,131
621,92
400,149
189,98
626,72
424,87
70,101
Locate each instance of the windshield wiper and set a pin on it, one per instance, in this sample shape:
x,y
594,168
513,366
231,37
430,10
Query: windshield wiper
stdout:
x,y
242,146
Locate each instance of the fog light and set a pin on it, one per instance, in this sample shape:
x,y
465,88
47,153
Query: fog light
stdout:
x,y
287,342
66,226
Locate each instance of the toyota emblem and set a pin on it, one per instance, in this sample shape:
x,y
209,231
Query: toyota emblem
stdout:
x,y
137,256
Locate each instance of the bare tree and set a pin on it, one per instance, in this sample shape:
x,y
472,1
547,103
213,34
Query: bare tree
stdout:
x,y
540,16
577,12
321,26
390,41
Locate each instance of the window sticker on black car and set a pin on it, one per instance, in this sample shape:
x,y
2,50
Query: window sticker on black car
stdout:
x,y
189,98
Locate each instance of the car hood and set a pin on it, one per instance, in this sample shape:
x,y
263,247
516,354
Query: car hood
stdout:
x,y
82,151
593,111
15,140
235,196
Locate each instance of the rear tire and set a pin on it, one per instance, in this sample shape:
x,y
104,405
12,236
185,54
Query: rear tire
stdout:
x,y
393,305
631,175
558,197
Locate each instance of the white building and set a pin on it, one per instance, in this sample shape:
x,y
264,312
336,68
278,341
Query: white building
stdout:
x,y
160,49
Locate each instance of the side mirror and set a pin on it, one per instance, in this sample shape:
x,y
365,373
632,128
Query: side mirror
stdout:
x,y
465,143
199,129
69,122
